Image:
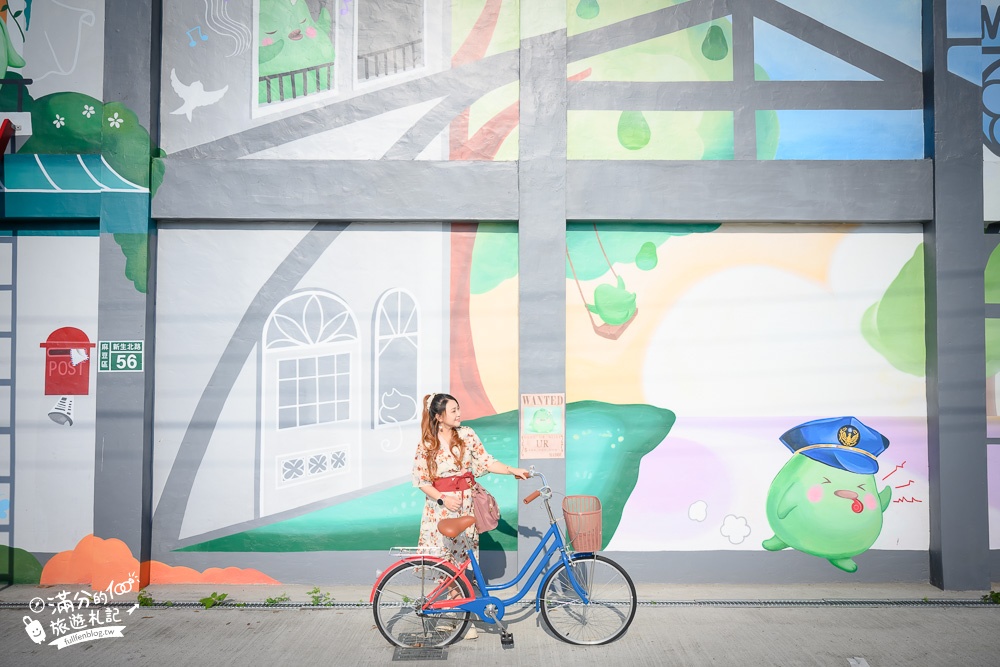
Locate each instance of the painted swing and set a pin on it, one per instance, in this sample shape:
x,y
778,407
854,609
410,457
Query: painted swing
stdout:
x,y
612,303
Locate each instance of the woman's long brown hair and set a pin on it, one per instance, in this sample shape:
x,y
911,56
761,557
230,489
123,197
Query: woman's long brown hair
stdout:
x,y
429,424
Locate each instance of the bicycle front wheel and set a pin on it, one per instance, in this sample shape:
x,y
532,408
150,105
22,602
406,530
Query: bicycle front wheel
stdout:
x,y
611,597
400,599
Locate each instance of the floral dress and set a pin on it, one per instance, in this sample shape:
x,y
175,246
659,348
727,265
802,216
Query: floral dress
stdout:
x,y
475,460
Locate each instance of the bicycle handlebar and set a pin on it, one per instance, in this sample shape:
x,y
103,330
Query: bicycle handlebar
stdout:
x,y
545,491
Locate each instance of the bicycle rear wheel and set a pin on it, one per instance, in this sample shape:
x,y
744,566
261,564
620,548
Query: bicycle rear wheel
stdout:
x,y
401,595
608,588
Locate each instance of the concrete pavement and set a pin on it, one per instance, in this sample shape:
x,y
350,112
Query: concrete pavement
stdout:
x,y
836,624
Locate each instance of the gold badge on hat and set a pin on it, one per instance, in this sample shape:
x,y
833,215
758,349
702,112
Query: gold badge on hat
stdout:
x,y
848,436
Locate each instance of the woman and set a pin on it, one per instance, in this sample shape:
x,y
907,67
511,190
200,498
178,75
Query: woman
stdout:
x,y
448,459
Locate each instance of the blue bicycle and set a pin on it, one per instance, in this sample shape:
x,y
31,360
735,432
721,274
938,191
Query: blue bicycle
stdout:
x,y
422,600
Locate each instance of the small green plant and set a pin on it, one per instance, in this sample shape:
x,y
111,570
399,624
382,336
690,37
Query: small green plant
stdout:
x,y
241,604
168,603
319,597
145,599
993,597
277,600
213,600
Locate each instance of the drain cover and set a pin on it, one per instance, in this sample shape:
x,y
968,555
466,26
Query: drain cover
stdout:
x,y
402,654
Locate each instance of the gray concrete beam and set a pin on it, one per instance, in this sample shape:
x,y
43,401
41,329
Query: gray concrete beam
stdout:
x,y
123,431
295,190
778,191
955,312
542,236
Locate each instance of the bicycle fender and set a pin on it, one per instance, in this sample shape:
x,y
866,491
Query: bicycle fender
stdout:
x,y
410,559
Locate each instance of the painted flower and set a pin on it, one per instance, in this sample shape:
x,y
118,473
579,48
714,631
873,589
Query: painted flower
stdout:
x,y
88,110
59,121
116,121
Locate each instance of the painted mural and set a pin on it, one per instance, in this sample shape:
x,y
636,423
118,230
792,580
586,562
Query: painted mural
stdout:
x,y
740,374
290,356
378,79
317,418
682,52
989,31
51,312
342,79
75,119
992,288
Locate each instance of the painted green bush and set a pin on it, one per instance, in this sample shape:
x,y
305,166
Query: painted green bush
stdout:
x,y
605,444
27,569
894,326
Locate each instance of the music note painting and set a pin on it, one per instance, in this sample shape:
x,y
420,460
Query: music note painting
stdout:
x,y
191,37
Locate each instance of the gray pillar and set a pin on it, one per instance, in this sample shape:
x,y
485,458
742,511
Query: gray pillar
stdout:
x,y
542,228
955,312
123,465
744,113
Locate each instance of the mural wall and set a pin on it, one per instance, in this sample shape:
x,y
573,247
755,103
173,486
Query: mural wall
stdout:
x,y
743,387
341,79
682,323
50,311
990,60
310,381
749,80
990,33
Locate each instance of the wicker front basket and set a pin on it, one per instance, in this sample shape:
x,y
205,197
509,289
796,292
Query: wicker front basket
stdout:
x,y
583,522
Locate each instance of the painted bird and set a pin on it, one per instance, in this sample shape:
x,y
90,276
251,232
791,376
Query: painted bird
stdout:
x,y
194,95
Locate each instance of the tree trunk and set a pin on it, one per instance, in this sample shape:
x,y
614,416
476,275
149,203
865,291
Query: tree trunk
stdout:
x,y
464,380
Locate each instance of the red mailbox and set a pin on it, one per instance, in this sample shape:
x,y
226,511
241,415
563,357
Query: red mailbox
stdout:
x,y
67,373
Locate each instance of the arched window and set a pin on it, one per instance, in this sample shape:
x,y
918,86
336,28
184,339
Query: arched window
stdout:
x,y
312,336
396,347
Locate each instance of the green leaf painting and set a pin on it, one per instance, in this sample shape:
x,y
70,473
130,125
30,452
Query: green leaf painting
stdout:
x,y
715,46
604,444
633,130
494,256
588,9
622,242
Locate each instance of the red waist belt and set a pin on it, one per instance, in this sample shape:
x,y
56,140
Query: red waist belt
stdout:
x,y
456,483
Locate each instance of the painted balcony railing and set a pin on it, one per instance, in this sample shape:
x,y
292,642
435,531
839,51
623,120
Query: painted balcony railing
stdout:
x,y
390,61
296,83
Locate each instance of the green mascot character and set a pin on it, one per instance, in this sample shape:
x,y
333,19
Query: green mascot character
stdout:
x,y
295,54
824,501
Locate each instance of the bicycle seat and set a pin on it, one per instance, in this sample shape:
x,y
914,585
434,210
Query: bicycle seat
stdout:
x,y
452,528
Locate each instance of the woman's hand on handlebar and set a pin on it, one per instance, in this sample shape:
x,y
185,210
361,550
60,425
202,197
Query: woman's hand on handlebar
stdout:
x,y
520,473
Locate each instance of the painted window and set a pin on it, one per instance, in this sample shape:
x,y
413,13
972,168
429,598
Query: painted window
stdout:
x,y
307,467
396,333
295,47
789,80
389,38
314,390
311,338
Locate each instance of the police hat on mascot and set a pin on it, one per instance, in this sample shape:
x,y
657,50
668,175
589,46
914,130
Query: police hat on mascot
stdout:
x,y
839,442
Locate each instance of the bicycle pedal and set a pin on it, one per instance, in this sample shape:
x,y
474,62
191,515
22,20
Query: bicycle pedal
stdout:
x,y
506,640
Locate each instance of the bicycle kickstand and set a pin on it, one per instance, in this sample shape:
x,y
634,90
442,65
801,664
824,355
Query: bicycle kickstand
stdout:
x,y
506,638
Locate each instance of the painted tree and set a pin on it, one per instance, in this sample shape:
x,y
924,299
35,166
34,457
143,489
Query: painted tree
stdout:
x,y
894,325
